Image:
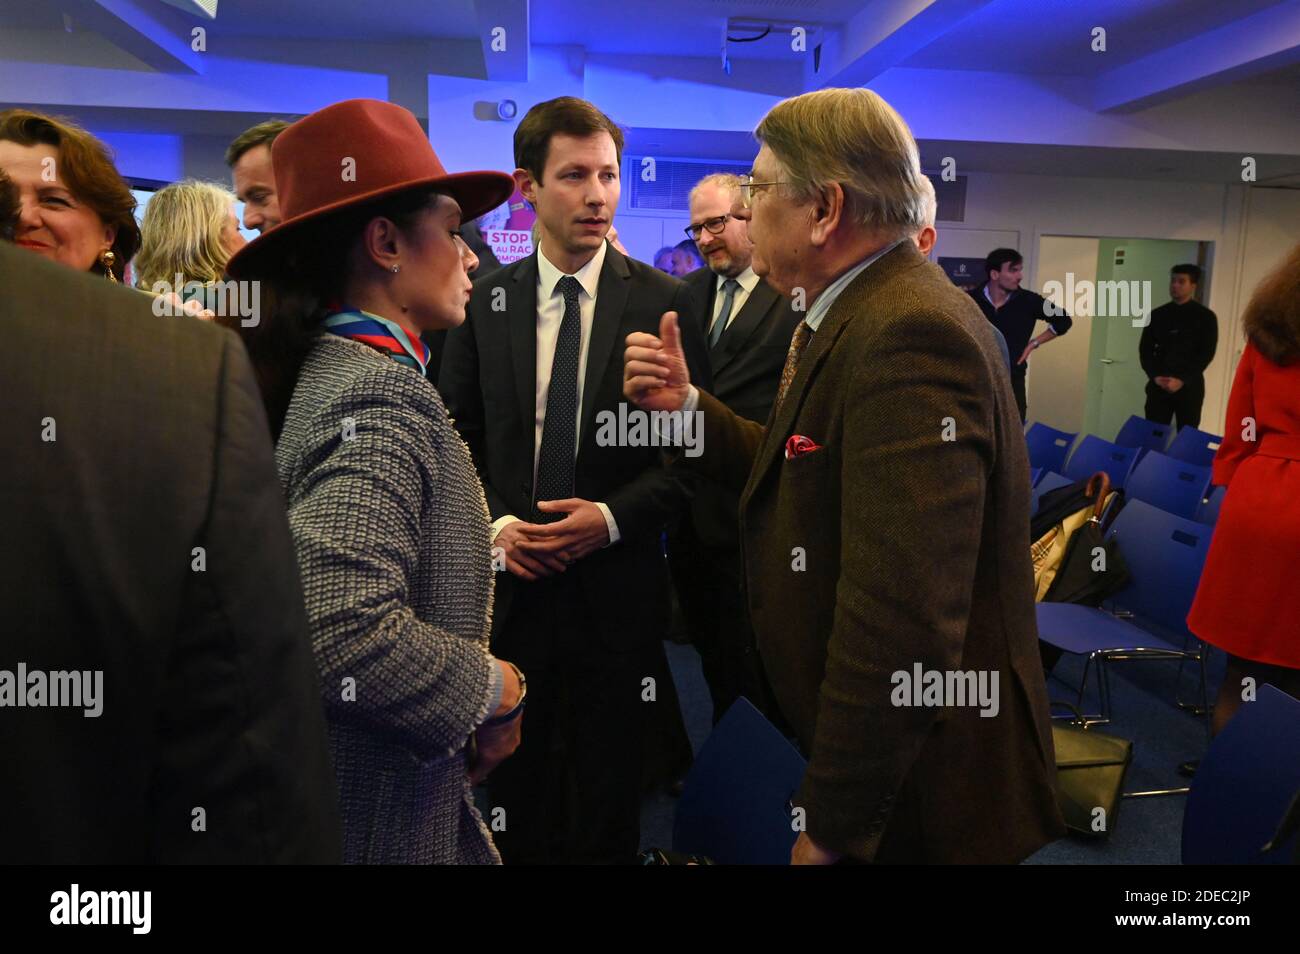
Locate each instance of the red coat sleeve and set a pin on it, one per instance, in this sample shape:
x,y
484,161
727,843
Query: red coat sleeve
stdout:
x,y
1240,422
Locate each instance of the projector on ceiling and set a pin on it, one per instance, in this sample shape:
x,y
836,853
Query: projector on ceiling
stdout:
x,y
204,8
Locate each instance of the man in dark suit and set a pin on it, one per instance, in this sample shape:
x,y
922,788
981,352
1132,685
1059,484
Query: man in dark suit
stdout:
x,y
748,325
1175,349
885,510
533,379
147,564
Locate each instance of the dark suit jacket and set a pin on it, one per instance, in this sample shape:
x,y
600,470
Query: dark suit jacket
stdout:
x,y
746,365
1179,341
916,550
210,696
488,381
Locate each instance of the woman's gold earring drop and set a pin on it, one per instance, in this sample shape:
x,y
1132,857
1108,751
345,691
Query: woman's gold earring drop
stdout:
x,y
396,269
108,260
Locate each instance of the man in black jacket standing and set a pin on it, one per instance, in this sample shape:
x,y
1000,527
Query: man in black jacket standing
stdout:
x,y
748,324
1014,311
1176,348
533,379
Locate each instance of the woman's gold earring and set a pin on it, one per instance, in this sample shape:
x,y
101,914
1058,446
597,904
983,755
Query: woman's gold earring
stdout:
x,y
396,269
108,260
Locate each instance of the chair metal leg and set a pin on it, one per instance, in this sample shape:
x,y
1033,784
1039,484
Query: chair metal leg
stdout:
x,y
1103,717
1182,661
1104,694
1206,710
1103,670
1154,792
1097,659
1183,658
1196,709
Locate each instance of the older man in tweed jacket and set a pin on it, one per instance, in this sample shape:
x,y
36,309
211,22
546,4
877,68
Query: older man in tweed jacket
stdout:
x,y
885,507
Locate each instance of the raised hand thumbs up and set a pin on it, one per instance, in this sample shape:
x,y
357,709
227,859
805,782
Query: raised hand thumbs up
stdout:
x,y
655,377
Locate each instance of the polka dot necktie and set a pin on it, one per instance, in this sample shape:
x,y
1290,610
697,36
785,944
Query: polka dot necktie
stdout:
x,y
555,461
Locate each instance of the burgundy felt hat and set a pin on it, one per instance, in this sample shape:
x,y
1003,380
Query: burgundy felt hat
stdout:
x,y
350,153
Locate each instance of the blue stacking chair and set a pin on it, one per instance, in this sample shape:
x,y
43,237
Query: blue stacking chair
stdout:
x,y
1195,447
1035,475
1208,512
1244,785
1094,454
1172,485
1164,554
1048,447
1049,481
735,807
1139,432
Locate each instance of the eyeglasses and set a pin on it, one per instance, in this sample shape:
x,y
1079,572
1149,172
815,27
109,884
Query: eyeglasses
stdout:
x,y
713,226
747,187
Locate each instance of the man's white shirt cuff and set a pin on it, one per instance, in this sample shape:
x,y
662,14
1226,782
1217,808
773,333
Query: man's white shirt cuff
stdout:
x,y
610,523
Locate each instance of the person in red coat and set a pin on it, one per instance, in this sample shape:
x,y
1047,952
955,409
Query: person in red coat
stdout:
x,y
1246,602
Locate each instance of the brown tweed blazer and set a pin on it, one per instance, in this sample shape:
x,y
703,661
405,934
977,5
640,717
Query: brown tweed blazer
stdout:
x,y
893,546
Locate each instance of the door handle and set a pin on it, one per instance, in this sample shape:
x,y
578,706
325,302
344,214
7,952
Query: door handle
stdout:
x,y
1107,360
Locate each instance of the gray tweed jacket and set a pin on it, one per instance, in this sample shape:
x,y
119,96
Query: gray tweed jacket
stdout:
x,y
393,543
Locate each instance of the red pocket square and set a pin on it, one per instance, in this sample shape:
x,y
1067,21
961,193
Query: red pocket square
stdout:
x,y
798,446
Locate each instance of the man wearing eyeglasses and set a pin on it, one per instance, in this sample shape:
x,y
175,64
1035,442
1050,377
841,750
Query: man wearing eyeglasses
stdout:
x,y
748,325
884,509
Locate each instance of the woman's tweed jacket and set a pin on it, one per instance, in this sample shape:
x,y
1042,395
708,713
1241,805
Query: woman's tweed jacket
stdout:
x,y
393,542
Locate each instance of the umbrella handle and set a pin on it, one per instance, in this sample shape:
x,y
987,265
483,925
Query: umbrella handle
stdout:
x,y
1101,481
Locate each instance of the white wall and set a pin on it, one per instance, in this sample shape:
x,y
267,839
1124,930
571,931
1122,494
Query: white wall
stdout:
x,y
1272,228
959,241
1058,373
464,142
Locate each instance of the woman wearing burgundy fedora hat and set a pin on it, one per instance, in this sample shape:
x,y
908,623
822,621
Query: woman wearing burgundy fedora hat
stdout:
x,y
388,516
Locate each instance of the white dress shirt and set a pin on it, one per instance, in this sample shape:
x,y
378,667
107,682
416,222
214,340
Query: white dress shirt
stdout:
x,y
747,281
550,314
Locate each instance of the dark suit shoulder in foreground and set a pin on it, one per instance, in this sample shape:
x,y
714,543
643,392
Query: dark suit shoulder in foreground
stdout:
x,y
147,540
